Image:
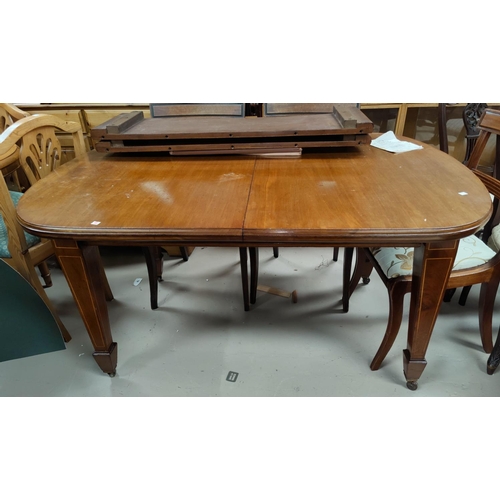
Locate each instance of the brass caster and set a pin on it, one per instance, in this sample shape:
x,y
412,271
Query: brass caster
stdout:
x,y
413,386
112,375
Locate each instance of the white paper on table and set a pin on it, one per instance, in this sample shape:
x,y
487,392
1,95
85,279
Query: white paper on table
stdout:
x,y
389,142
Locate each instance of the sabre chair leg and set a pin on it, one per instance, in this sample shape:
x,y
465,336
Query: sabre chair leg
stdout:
x,y
494,359
463,296
335,254
448,295
254,273
184,254
487,297
159,263
396,300
150,255
346,279
362,270
244,277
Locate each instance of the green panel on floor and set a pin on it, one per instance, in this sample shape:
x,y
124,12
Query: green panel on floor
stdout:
x,y
27,327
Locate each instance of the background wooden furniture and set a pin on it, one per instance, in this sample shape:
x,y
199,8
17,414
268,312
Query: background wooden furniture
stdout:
x,y
171,110
219,134
414,120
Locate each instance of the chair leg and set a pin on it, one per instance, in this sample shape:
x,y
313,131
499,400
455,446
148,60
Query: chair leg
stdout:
x,y
184,253
45,274
346,279
254,273
487,297
150,253
362,270
335,254
463,296
396,300
448,295
159,263
494,359
276,252
244,276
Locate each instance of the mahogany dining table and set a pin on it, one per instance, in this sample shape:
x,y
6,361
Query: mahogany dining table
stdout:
x,y
357,196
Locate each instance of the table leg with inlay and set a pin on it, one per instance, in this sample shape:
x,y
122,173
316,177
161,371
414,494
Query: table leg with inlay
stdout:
x,y
432,264
82,267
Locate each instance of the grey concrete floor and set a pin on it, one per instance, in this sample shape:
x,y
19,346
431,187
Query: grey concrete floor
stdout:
x,y
200,333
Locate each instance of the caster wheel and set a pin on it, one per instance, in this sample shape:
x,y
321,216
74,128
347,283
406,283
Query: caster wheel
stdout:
x,y
112,375
412,386
366,281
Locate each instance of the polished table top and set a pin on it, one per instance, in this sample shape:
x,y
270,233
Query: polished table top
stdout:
x,y
359,196
354,196
364,194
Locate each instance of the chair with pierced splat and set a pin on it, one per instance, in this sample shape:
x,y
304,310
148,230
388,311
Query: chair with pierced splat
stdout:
x,y
39,154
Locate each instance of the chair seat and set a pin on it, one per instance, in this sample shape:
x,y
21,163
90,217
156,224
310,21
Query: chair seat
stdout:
x,y
30,239
395,262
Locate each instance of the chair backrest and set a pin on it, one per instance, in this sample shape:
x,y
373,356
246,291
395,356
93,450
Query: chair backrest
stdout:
x,y
40,149
39,154
493,186
488,124
9,114
470,118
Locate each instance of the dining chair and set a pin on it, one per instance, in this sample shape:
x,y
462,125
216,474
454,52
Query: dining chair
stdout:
x,y
471,115
9,167
475,263
39,154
